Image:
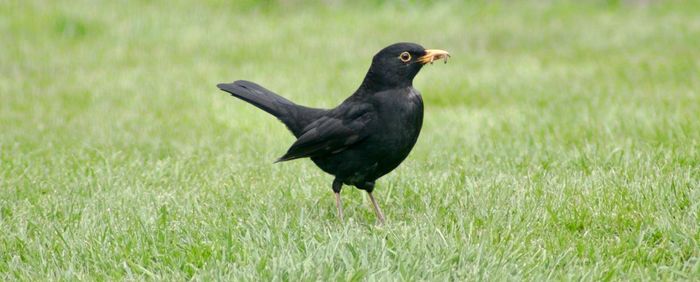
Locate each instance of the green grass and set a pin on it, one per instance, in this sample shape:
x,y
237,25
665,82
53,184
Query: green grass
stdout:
x,y
561,142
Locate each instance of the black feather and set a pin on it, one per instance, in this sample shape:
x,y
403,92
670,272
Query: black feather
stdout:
x,y
294,116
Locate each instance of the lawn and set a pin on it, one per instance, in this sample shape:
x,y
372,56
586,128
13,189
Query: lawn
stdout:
x,y
561,142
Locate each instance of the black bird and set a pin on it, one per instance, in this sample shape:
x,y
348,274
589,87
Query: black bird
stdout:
x,y
366,136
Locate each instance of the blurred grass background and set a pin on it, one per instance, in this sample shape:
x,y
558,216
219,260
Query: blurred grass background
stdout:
x,y
560,142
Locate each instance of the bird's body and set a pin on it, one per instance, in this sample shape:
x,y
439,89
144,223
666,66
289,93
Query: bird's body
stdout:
x,y
395,119
366,136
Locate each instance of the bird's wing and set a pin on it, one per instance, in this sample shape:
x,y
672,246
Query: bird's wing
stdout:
x,y
332,133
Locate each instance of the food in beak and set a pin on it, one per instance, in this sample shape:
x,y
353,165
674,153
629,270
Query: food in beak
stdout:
x,y
432,55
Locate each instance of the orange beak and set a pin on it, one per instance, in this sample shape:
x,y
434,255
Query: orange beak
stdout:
x,y
432,55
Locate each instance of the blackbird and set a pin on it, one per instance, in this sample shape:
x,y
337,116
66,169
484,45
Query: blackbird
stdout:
x,y
366,136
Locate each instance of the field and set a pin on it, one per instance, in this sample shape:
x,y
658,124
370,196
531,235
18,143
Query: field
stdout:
x,y
561,142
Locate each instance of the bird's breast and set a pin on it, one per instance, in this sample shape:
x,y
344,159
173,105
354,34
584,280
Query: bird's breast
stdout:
x,y
400,121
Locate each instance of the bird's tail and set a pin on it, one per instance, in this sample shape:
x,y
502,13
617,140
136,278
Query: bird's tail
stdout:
x,y
294,116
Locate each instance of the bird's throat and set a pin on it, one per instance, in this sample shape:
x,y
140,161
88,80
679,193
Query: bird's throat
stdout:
x,y
377,82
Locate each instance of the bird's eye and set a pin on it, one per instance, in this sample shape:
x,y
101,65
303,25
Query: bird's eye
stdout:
x,y
405,57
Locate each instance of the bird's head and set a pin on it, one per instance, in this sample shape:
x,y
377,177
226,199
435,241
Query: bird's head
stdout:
x,y
397,65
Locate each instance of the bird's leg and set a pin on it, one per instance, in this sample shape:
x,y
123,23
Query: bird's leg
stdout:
x,y
339,206
377,210
337,185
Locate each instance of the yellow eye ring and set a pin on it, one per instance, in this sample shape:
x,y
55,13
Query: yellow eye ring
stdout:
x,y
405,57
